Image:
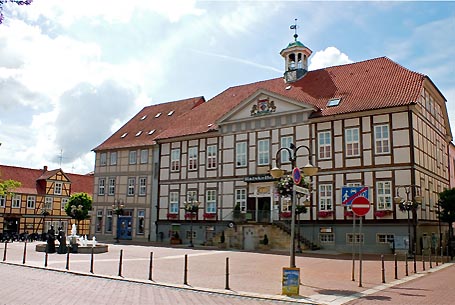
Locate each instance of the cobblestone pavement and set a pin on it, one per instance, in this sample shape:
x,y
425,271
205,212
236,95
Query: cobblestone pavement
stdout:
x,y
325,278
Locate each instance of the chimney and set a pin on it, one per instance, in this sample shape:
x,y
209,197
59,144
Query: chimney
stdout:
x,y
45,168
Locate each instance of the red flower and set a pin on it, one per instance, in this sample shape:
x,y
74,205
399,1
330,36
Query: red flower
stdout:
x,y
286,214
209,215
172,216
348,214
382,213
190,215
323,214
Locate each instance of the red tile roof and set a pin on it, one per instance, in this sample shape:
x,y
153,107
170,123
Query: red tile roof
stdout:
x,y
29,177
371,84
137,129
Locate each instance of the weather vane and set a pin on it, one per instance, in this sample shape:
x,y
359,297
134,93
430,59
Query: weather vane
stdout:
x,y
294,27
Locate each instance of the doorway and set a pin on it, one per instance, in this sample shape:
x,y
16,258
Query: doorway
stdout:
x,y
263,209
124,228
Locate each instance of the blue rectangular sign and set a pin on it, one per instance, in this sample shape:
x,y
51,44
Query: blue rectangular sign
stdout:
x,y
348,193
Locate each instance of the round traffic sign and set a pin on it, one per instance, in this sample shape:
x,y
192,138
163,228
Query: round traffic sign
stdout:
x,y
297,175
360,206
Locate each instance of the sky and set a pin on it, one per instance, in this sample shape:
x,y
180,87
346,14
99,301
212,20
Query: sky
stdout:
x,y
73,72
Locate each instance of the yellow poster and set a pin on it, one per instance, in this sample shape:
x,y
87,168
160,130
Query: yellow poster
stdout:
x,y
291,281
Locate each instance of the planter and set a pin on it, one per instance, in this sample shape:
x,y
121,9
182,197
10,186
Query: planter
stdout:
x,y
324,214
380,214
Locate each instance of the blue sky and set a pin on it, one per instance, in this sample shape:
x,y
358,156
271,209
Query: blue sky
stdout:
x,y
73,72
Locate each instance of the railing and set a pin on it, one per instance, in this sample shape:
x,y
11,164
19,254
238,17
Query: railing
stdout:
x,y
286,227
252,215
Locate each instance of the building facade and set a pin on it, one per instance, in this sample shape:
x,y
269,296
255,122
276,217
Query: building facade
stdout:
x,y
40,200
372,123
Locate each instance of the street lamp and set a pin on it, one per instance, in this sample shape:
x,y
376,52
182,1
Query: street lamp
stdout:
x,y
117,208
409,205
277,172
191,207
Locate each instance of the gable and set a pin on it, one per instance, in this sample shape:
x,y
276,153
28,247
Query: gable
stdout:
x,y
264,104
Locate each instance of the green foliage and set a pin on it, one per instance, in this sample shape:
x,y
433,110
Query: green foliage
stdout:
x,y
447,206
300,209
78,206
7,187
286,183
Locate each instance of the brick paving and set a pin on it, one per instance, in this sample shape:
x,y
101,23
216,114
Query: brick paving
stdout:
x,y
325,278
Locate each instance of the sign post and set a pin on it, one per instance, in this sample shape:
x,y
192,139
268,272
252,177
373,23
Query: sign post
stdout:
x,y
360,207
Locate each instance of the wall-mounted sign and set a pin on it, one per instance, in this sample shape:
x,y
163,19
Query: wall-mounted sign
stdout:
x,y
325,230
259,178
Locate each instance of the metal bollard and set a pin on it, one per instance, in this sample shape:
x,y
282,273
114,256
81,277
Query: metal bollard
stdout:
x,y
25,252
4,251
436,258
415,262
151,266
91,261
447,253
406,263
396,266
382,268
227,274
185,271
67,267
120,262
429,258
45,257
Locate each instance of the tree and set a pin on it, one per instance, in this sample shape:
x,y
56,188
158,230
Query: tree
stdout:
x,y
78,206
18,2
446,211
7,187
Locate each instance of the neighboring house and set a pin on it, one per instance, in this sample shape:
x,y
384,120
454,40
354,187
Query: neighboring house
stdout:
x,y
126,173
372,123
40,200
452,164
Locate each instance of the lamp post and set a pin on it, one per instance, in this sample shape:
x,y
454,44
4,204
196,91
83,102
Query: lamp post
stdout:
x,y
191,207
117,207
409,204
277,172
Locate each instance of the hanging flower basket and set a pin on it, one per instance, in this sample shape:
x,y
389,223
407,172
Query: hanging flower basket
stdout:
x,y
286,184
324,214
382,213
286,214
172,216
348,214
209,215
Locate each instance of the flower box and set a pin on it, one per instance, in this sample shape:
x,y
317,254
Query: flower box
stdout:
x,y
382,213
324,214
348,214
209,215
172,216
286,214
190,215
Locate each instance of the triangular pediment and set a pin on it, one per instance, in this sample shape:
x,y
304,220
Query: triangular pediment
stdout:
x,y
264,103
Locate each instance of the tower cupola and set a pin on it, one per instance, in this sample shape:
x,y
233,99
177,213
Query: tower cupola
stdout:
x,y
296,56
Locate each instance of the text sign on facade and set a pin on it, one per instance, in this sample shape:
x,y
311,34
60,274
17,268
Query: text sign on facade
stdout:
x,y
349,193
360,206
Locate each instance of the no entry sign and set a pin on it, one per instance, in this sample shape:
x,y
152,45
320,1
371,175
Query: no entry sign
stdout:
x,y
360,206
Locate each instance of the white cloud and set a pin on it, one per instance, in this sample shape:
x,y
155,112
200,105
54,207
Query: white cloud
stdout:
x,y
331,56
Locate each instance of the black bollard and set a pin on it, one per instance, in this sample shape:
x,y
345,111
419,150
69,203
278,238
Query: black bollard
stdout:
x,y
429,258
396,266
45,257
185,271
151,266
383,268
4,251
91,261
120,262
415,262
227,274
436,258
406,263
423,262
25,252
67,258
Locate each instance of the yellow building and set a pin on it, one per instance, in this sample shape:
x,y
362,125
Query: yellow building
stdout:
x,y
40,200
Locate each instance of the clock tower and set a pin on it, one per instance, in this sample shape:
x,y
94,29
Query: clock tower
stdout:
x,y
296,58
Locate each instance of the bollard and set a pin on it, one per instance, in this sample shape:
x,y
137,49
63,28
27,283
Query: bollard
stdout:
x,y
151,266
442,256
120,262
415,262
383,268
91,261
447,253
423,262
429,258
406,263
25,252
185,271
67,258
227,274
4,251
396,266
45,257
436,258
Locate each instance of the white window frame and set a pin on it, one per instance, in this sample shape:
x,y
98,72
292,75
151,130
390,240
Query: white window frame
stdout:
x,y
144,156
99,221
101,186
383,238
325,197
175,160
359,238
352,142
327,238
58,186
2,201
241,154
241,199
140,219
263,152
192,158
16,202
63,203
210,201
212,156
103,159
384,195
285,142
173,202
111,187
131,186
325,145
31,202
48,203
108,226
113,158
132,157
382,139
142,186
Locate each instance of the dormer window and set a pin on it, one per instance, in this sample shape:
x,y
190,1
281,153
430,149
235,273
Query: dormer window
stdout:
x,y
158,115
138,133
333,102
144,117
151,131
124,135
170,113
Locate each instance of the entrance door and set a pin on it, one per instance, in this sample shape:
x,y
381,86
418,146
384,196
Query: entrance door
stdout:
x,y
263,209
248,238
11,225
124,227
